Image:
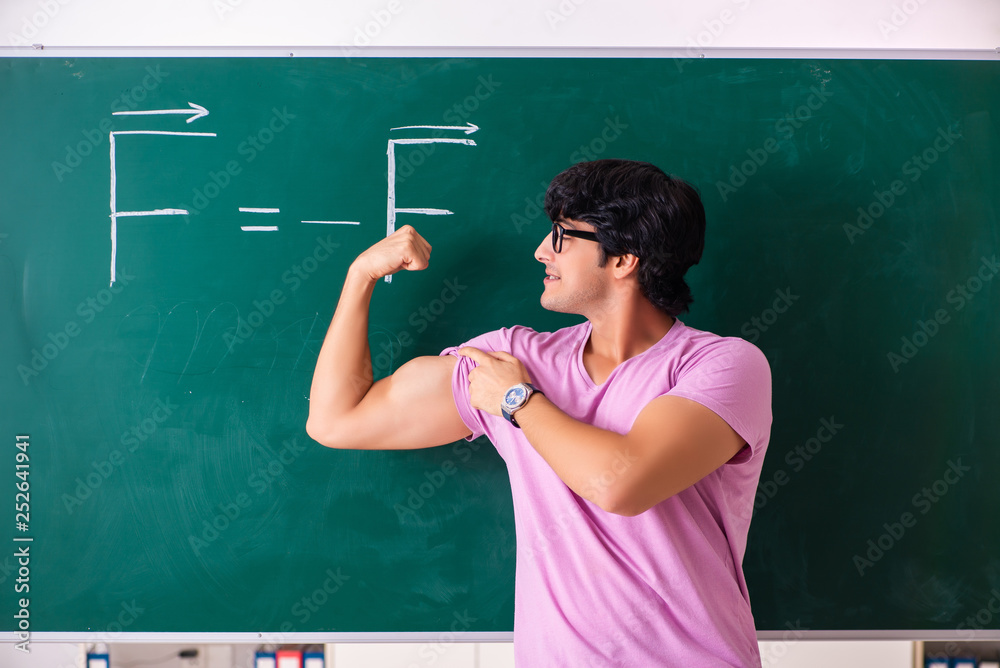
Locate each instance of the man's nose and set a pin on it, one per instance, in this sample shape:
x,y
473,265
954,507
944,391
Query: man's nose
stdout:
x,y
544,251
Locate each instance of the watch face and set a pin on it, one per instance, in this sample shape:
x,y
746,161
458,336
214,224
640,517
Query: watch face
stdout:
x,y
515,396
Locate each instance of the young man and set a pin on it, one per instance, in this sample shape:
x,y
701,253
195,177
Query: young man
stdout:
x,y
634,442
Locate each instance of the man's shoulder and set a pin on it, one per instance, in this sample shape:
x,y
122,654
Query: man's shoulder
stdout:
x,y
520,336
698,347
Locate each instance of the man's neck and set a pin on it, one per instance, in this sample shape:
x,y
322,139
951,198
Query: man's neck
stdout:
x,y
622,331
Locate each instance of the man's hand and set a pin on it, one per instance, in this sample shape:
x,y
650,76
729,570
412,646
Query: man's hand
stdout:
x,y
495,374
403,249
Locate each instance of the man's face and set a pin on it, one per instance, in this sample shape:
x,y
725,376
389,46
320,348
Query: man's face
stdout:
x,y
574,283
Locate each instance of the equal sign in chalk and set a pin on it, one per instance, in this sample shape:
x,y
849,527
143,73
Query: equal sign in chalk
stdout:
x,y
274,228
258,228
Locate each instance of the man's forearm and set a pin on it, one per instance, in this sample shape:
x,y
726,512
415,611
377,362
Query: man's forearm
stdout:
x,y
673,443
344,369
588,459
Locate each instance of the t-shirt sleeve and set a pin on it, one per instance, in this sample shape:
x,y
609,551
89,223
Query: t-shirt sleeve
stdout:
x,y
474,419
733,379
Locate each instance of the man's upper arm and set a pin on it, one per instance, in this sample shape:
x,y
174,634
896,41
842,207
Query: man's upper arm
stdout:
x,y
674,443
412,408
700,425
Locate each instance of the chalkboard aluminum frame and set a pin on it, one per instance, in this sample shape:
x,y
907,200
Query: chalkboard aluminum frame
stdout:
x,y
348,51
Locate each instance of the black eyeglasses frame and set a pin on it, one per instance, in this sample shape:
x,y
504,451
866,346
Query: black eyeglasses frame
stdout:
x,y
558,232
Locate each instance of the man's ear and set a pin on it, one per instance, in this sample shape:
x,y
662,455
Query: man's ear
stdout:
x,y
625,265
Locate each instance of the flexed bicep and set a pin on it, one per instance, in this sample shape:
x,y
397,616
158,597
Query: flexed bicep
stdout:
x,y
413,408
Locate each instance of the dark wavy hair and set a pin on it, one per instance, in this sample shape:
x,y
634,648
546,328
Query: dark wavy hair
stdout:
x,y
637,209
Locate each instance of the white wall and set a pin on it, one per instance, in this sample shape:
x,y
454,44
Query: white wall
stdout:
x,y
42,656
954,24
880,24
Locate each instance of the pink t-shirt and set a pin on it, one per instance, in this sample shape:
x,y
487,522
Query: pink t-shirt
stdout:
x,y
663,588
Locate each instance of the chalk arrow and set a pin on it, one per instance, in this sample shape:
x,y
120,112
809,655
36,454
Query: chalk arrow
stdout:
x,y
468,128
196,111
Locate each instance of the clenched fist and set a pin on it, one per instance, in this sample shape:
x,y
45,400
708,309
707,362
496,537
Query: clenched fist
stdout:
x,y
403,249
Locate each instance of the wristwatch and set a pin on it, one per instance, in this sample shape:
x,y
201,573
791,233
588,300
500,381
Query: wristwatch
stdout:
x,y
514,400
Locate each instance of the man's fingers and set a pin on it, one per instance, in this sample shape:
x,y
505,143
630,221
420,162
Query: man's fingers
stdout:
x,y
416,250
480,356
415,263
404,249
475,354
413,238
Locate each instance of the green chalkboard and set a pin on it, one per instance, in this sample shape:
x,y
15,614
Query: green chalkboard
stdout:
x,y
852,236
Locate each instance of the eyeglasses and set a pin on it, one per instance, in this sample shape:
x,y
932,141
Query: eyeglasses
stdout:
x,y
558,232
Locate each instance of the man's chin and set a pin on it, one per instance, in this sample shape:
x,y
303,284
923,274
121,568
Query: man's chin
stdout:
x,y
554,305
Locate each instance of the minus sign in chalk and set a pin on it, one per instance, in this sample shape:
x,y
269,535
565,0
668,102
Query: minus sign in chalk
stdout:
x,y
24,539
331,222
247,209
259,228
